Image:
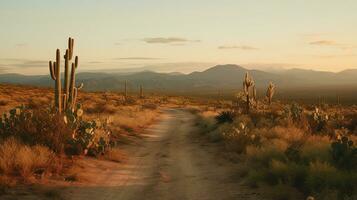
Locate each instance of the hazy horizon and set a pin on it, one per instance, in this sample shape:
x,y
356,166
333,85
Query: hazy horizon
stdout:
x,y
316,35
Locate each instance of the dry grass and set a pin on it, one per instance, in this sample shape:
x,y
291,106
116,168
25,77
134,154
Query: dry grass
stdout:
x,y
115,155
291,158
16,158
128,118
13,95
125,117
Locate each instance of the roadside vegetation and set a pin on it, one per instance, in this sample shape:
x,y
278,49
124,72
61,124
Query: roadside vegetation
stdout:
x,y
289,150
43,132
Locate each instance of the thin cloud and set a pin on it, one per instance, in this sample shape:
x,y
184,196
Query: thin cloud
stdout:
x,y
167,40
332,43
95,62
138,58
324,43
21,45
241,47
23,63
335,55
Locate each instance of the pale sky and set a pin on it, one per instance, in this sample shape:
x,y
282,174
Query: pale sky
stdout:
x,y
312,34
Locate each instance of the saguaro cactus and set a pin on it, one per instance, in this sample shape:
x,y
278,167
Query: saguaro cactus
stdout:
x,y
254,93
68,99
55,72
247,84
125,90
270,92
141,92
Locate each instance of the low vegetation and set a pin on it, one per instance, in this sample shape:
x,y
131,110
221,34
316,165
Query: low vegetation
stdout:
x,y
41,131
290,150
296,151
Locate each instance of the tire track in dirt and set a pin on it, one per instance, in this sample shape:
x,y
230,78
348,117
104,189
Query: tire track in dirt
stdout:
x,y
170,163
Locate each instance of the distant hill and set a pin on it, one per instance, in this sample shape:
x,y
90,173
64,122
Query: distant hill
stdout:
x,y
220,78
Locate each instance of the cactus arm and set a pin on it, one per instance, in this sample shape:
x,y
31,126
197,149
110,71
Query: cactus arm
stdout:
x,y
58,88
72,86
66,75
52,70
75,94
64,101
70,92
76,62
70,48
80,86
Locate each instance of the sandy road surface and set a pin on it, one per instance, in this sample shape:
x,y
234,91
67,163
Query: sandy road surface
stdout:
x,y
171,163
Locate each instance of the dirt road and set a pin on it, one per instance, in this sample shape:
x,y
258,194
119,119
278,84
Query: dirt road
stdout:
x,y
171,163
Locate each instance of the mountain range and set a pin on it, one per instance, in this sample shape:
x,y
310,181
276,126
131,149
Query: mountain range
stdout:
x,y
220,78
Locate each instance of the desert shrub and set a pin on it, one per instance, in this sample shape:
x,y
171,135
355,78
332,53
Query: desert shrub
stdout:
x,y
115,155
254,177
350,122
206,125
318,121
237,138
261,156
5,183
296,112
17,158
293,113
61,133
225,117
150,106
344,153
282,192
316,148
293,152
36,127
288,152
321,176
101,107
215,136
3,102
91,137
290,173
130,100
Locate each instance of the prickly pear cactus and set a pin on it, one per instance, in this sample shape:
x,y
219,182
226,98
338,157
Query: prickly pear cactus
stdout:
x,y
344,153
320,119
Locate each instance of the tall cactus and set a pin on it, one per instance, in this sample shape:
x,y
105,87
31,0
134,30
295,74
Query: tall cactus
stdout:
x,y
141,92
68,99
125,90
247,84
55,72
254,93
270,92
